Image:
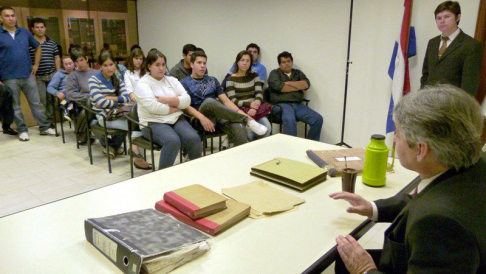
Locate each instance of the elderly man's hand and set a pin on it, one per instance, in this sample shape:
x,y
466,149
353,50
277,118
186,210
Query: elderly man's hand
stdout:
x,y
354,256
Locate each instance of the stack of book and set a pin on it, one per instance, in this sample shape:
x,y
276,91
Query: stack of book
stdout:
x,y
294,174
145,241
203,208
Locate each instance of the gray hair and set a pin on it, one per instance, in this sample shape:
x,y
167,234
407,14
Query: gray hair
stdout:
x,y
447,119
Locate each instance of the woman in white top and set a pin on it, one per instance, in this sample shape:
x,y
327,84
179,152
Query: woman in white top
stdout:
x,y
160,100
135,70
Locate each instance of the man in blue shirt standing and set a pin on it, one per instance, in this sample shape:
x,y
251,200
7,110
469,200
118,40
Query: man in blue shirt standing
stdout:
x,y
17,71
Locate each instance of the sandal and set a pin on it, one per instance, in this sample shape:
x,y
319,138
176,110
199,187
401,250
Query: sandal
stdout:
x,y
110,152
140,163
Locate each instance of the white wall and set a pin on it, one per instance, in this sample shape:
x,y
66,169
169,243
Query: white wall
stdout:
x,y
223,28
316,34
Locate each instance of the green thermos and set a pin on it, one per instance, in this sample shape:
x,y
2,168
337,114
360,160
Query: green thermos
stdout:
x,y
376,161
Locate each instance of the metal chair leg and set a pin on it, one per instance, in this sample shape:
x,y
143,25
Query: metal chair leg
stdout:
x,y
153,159
107,147
212,146
62,127
53,102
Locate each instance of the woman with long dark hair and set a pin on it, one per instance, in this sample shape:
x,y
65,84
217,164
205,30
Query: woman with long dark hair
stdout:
x,y
135,70
160,100
108,91
245,89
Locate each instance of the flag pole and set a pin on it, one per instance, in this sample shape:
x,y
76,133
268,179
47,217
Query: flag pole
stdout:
x,y
342,143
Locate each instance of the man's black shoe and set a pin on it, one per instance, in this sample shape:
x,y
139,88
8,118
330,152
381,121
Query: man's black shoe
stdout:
x,y
10,131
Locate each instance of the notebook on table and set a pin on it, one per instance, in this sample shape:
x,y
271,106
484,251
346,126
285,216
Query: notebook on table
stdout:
x,y
196,201
212,224
294,174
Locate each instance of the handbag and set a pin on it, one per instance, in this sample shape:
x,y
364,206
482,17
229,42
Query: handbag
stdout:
x,y
117,112
262,111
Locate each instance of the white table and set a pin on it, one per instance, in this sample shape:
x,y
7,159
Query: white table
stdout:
x,y
50,238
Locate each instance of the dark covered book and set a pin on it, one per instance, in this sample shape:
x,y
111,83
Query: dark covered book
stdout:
x,y
131,239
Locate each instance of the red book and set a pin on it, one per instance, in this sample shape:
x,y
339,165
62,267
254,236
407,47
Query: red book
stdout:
x,y
196,201
212,224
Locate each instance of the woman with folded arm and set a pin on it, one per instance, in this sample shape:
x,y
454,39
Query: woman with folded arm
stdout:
x,y
108,91
160,100
245,89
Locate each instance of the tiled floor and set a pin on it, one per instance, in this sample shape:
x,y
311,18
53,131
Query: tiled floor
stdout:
x,y
44,170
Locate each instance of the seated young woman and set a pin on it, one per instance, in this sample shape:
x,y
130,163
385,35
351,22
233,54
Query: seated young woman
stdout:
x,y
108,91
245,89
160,100
135,70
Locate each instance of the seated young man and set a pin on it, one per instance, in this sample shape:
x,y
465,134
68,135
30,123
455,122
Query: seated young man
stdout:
x,y
224,114
286,86
57,85
183,68
77,89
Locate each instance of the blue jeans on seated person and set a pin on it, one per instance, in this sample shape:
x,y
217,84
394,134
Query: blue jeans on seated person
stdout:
x,y
293,112
252,136
115,141
171,137
29,87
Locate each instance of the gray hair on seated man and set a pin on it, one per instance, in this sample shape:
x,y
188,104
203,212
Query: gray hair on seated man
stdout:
x,y
445,117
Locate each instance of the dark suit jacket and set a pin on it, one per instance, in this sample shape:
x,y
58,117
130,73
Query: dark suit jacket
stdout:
x,y
441,230
459,66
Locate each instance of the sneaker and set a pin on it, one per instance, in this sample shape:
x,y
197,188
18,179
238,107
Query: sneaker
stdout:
x,y
257,128
24,137
49,131
111,152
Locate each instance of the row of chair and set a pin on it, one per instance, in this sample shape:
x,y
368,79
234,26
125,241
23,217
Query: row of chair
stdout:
x,y
134,125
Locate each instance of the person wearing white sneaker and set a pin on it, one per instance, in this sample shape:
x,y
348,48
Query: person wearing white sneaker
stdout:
x,y
48,131
17,71
211,106
24,136
257,128
245,89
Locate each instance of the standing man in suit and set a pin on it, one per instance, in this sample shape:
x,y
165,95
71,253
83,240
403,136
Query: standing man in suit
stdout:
x,y
439,229
452,57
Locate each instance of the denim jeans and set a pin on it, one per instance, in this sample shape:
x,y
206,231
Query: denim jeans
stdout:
x,y
293,112
171,137
252,136
6,107
115,141
227,120
42,83
29,87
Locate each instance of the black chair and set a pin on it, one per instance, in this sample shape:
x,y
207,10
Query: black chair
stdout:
x,y
101,131
275,115
57,106
135,125
195,123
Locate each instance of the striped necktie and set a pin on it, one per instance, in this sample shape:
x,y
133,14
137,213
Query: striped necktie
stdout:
x,y
444,46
